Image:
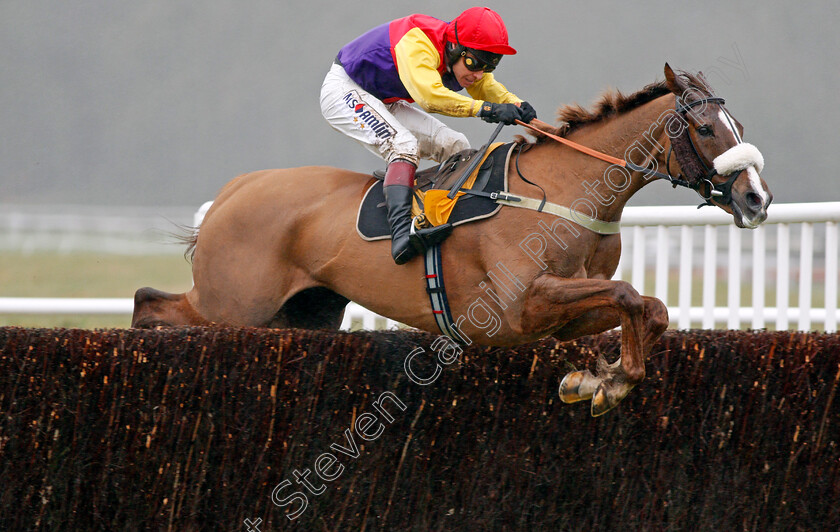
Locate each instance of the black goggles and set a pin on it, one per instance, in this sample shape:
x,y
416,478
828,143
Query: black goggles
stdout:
x,y
475,63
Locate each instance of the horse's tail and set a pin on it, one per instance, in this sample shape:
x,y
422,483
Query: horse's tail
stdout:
x,y
187,235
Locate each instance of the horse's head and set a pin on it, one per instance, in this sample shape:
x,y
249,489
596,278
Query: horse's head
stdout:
x,y
712,157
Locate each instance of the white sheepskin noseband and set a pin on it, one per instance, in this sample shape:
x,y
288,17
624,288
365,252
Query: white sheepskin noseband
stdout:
x,y
738,158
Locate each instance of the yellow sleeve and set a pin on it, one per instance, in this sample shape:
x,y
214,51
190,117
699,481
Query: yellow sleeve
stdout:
x,y
487,88
417,63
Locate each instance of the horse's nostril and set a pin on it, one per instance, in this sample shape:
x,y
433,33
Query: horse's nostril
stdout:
x,y
753,201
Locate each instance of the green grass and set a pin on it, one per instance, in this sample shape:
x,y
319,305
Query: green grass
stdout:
x,y
85,275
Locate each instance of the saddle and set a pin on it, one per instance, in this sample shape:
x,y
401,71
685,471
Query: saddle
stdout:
x,y
431,205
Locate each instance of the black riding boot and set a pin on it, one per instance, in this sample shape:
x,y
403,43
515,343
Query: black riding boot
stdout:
x,y
399,190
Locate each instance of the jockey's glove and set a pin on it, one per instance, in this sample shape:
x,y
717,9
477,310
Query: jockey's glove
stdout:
x,y
527,112
506,113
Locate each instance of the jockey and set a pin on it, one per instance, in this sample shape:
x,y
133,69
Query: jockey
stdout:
x,y
368,91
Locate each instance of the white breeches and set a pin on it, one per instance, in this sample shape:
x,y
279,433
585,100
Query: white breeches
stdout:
x,y
392,131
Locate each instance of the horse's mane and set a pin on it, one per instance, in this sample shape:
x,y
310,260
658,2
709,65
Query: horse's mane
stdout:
x,y
614,102
611,103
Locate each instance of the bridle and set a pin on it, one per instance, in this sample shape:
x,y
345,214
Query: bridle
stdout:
x,y
721,193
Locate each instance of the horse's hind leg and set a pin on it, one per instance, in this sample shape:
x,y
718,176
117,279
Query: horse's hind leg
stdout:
x,y
570,308
155,308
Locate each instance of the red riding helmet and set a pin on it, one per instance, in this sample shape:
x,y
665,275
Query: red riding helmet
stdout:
x,y
480,28
480,31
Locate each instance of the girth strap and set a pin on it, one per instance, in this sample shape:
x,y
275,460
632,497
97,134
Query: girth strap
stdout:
x,y
437,292
593,224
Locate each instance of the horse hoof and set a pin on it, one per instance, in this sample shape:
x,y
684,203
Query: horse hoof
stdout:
x,y
601,403
575,386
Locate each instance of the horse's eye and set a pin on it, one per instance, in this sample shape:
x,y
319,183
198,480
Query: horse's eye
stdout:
x,y
705,131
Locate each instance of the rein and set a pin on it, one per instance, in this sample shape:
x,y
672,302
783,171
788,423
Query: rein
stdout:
x,y
675,181
722,191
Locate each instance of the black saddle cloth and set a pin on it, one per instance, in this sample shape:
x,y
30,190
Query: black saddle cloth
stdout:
x,y
372,218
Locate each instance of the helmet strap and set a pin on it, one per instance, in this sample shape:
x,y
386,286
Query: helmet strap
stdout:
x,y
455,50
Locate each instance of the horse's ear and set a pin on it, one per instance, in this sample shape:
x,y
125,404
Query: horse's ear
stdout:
x,y
674,83
704,82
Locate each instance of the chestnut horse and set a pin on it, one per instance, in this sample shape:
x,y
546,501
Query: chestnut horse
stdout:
x,y
279,248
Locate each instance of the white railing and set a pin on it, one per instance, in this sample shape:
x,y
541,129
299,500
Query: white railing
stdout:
x,y
73,228
355,316
358,317
668,235
66,305
734,281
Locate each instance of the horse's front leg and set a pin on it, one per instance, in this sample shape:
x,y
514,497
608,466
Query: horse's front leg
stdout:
x,y
569,308
581,385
